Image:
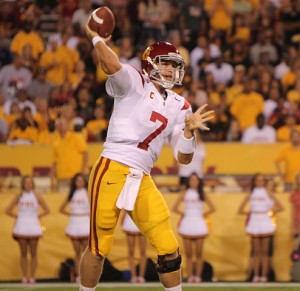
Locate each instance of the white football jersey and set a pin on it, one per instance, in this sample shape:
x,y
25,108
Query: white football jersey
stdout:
x,y
142,121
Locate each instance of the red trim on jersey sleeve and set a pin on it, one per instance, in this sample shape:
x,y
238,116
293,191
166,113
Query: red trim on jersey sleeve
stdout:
x,y
143,81
186,105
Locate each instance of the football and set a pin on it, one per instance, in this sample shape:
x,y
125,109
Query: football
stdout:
x,y
102,21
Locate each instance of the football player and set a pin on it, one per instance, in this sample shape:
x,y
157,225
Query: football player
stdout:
x,y
147,114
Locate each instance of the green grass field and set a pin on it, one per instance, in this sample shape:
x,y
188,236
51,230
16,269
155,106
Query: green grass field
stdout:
x,y
157,287
160,289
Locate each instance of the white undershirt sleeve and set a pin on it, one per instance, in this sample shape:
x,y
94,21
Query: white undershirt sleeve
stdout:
x,y
119,84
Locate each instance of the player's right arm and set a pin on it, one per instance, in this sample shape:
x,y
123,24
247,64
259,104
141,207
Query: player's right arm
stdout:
x,y
107,58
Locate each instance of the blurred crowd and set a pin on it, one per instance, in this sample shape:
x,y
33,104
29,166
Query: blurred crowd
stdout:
x,y
241,56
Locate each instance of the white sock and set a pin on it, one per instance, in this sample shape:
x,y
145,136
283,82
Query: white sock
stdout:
x,y
176,288
82,288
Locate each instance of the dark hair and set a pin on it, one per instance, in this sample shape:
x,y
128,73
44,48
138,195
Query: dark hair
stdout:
x,y
73,184
200,189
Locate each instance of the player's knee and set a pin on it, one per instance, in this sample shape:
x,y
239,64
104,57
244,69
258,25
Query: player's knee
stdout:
x,y
168,263
169,243
163,239
105,245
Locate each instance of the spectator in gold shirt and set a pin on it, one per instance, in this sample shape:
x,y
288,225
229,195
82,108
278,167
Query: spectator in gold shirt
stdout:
x,y
289,79
27,36
54,61
97,127
290,157
220,12
293,95
247,106
70,156
284,131
24,130
13,114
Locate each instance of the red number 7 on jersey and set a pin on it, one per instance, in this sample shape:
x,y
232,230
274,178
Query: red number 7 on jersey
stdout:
x,y
144,145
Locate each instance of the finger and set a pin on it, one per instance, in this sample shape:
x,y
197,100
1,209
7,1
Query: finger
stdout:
x,y
207,113
86,24
107,39
207,118
201,108
87,30
204,127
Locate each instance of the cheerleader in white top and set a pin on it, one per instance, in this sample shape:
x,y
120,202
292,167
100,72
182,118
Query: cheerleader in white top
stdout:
x,y
28,229
192,226
78,228
260,225
135,237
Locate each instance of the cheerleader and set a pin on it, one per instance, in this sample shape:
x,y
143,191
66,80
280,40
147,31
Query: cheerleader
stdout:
x,y
260,225
192,226
134,237
79,223
27,229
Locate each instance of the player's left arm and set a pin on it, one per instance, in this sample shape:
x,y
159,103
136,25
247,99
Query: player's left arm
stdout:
x,y
192,122
183,141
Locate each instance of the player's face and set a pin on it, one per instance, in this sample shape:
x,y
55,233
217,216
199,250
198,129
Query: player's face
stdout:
x,y
167,68
80,182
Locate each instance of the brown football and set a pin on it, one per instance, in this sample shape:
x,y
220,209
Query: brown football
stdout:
x,y
102,21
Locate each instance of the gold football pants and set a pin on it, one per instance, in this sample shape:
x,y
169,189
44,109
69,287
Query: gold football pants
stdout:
x,y
150,214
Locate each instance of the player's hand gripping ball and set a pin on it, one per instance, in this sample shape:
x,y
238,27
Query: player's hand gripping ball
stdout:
x,y
102,21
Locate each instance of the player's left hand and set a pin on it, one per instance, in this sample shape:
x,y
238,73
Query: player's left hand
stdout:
x,y
198,119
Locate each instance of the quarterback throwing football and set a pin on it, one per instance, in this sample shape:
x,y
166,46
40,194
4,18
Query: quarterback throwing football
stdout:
x,y
147,114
